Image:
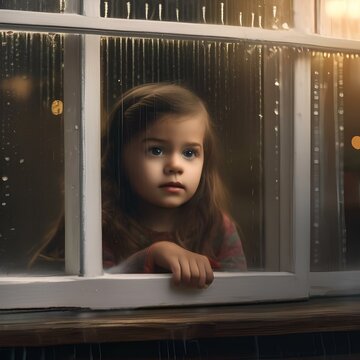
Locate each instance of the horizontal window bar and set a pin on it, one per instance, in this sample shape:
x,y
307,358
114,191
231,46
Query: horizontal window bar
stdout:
x,y
35,21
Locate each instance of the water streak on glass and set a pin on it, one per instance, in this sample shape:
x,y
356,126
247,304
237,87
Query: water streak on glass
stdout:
x,y
275,14
335,162
31,141
52,6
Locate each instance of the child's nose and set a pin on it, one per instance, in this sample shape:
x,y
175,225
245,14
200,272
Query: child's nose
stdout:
x,y
173,165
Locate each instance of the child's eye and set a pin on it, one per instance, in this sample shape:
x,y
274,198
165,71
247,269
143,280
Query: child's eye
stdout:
x,y
155,150
190,153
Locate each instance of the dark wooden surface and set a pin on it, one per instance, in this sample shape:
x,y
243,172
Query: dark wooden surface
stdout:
x,y
52,327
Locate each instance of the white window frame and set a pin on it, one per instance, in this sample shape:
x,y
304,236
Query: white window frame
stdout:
x,y
86,286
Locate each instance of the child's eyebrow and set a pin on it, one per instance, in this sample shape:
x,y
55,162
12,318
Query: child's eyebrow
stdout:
x,y
194,144
154,140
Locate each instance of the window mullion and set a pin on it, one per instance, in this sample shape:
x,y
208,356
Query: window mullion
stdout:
x,y
72,115
91,248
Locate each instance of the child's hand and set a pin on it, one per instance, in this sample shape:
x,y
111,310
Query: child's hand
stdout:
x,y
188,268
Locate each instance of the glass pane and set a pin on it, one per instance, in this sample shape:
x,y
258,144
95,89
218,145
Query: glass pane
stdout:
x,y
32,144
259,13
53,6
339,18
336,162
229,78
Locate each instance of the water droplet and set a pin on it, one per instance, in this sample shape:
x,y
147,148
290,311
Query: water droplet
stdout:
x,y
341,94
276,128
341,128
276,111
316,113
341,111
7,195
21,161
316,148
76,127
277,83
7,158
316,161
12,229
3,204
5,178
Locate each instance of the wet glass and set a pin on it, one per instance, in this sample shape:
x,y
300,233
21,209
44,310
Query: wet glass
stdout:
x,y
335,161
31,145
339,18
246,103
53,6
276,14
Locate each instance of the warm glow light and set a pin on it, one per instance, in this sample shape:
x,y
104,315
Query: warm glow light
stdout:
x,y
355,142
343,8
336,8
353,9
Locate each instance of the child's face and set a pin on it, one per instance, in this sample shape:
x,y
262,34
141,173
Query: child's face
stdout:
x,y
164,163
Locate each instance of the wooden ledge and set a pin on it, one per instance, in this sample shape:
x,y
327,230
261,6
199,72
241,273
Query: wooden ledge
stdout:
x,y
53,327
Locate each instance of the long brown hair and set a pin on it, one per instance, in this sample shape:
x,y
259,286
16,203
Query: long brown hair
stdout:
x,y
199,227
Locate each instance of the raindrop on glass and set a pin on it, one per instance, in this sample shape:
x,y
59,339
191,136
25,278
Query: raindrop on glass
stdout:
x,y
7,158
5,178
277,83
21,161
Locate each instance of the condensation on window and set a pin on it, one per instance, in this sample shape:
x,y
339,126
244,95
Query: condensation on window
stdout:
x,y
276,14
32,146
335,161
244,87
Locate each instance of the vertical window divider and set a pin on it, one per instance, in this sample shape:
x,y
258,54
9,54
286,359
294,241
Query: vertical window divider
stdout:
x,y
90,167
304,21
72,117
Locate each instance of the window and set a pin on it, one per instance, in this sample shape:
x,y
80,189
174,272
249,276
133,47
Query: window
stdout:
x,y
254,73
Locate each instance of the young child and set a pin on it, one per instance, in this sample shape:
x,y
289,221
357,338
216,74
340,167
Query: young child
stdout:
x,y
163,200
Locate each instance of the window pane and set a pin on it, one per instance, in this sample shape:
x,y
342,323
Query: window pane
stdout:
x,y
231,78
252,13
336,162
32,144
53,6
339,18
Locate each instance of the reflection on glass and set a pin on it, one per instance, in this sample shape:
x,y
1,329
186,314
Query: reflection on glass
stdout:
x,y
31,142
229,78
276,14
335,162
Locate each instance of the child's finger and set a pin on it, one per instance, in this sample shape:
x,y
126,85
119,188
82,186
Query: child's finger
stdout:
x,y
209,273
185,271
176,271
202,275
194,272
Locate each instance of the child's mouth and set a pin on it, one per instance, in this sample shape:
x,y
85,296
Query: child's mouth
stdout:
x,y
172,186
